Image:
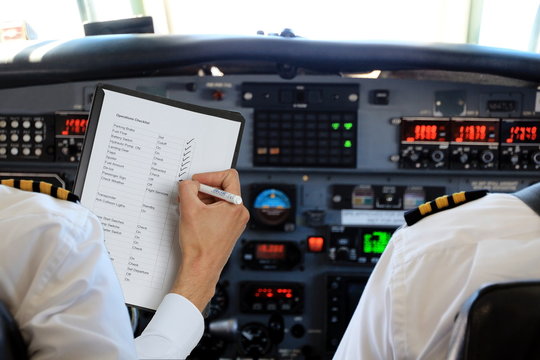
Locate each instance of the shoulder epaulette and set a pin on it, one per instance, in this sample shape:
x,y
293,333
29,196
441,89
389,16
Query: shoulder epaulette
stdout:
x,y
41,187
442,203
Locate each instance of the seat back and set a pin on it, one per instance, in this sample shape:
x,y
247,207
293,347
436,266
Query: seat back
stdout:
x,y
499,321
12,346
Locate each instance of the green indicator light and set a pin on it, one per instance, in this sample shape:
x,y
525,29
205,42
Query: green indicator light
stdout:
x,y
347,126
335,126
376,242
347,143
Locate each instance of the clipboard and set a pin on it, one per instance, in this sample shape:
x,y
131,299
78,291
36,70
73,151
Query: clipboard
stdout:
x,y
136,149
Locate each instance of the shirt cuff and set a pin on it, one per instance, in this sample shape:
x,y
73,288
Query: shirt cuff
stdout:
x,y
175,329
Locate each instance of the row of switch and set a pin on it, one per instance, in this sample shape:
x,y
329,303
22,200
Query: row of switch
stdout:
x,y
15,123
38,138
25,151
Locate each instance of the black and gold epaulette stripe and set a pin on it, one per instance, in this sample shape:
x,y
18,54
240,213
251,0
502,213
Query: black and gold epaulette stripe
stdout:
x,y
442,203
41,187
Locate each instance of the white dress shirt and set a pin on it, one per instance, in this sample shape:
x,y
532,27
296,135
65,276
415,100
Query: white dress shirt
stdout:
x,y
429,269
59,283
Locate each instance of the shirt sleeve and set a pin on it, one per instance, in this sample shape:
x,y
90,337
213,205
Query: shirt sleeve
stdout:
x,y
175,329
72,307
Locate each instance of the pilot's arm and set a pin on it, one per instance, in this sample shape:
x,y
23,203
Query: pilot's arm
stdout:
x,y
58,281
209,229
429,269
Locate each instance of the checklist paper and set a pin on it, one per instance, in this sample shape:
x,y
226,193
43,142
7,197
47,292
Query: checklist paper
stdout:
x,y
136,149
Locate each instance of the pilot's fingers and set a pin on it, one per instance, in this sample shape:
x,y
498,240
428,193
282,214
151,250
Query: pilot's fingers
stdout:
x,y
227,180
188,191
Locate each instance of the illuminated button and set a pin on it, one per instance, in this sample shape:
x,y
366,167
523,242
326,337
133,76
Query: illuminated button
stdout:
x,y
14,124
14,151
3,137
26,151
26,137
26,124
38,124
38,138
38,152
3,151
3,123
315,243
14,137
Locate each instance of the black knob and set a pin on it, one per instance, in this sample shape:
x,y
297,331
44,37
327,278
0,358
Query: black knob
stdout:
x,y
437,156
536,158
514,159
487,156
414,157
342,253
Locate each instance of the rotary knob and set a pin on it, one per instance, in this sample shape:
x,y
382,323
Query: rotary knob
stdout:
x,y
342,253
487,156
414,157
437,156
536,158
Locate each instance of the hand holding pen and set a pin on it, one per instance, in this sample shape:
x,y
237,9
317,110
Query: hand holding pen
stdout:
x,y
208,231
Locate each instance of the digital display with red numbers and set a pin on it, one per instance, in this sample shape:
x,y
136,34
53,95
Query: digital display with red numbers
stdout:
x,y
417,130
475,131
74,127
71,124
520,132
270,251
273,293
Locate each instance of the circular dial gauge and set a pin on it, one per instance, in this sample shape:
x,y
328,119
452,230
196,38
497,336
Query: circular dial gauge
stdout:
x,y
272,207
255,340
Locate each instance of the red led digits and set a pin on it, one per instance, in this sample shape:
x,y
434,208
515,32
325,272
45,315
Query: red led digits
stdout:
x,y
274,292
522,134
74,127
474,132
423,131
471,133
270,251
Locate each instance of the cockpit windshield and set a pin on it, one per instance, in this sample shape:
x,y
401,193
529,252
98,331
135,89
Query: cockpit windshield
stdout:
x,y
497,23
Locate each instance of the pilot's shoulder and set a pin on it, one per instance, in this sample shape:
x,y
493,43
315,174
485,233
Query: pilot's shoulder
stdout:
x,y
41,187
442,203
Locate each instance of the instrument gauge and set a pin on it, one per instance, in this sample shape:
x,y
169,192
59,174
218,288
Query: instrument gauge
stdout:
x,y
274,207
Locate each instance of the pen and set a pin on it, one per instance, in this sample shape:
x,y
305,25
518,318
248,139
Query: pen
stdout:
x,y
235,199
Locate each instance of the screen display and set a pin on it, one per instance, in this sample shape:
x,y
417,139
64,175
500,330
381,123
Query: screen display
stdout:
x,y
71,125
475,131
419,130
273,293
270,251
375,241
520,132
